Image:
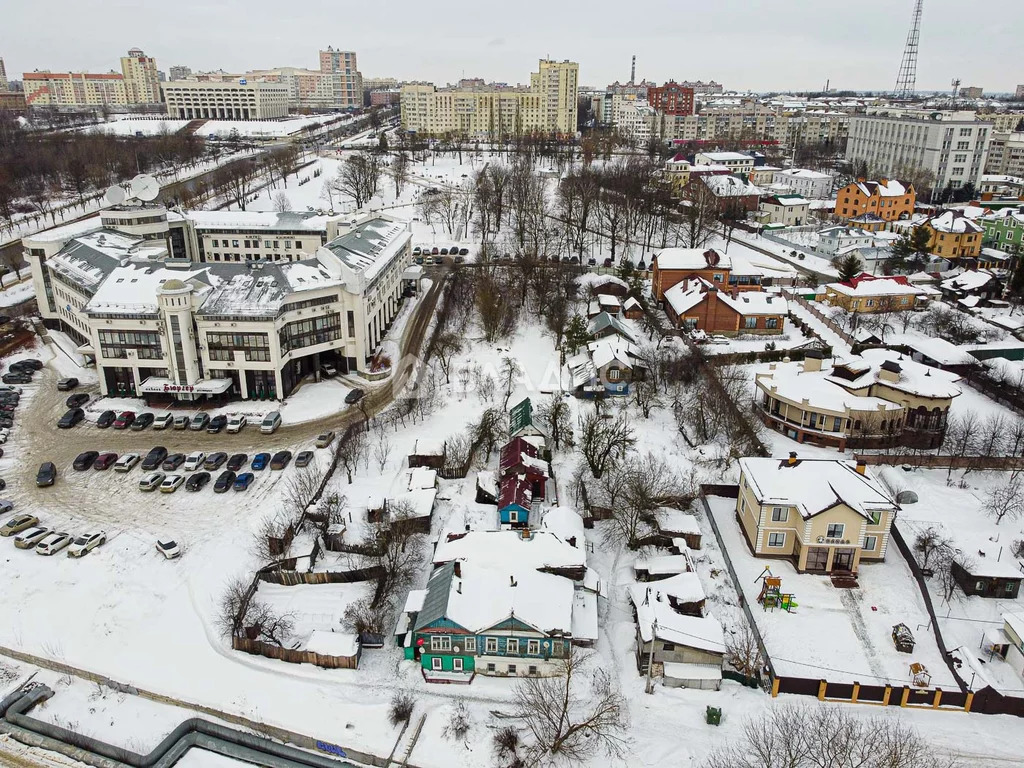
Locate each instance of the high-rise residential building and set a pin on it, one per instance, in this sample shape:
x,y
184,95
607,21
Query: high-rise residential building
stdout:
x,y
3,77
1019,95
226,100
346,81
161,76
547,106
671,98
142,84
1006,155
137,83
954,147
180,72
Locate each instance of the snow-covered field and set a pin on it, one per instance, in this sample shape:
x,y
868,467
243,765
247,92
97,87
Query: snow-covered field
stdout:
x,y
130,126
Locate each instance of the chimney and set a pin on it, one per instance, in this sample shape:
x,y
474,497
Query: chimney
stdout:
x,y
890,371
862,467
458,569
812,361
791,461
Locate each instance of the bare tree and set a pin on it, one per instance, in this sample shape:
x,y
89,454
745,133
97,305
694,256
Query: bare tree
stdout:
x,y
645,395
271,530
399,172
446,346
743,651
382,451
555,414
931,544
1005,500
352,452
801,736
241,615
281,202
358,178
566,718
634,489
604,442
363,616
510,371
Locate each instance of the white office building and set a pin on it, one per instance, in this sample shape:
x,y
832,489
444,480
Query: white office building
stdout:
x,y
166,327
806,183
953,147
226,100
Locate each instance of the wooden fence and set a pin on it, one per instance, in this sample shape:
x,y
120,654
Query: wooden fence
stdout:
x,y
293,656
290,578
927,460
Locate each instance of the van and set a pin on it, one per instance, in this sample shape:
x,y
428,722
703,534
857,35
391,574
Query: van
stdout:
x,y
270,423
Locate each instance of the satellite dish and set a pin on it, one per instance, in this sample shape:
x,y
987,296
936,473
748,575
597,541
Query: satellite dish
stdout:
x,y
145,187
113,196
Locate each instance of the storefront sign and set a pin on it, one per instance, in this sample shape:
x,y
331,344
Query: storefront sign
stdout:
x,y
331,749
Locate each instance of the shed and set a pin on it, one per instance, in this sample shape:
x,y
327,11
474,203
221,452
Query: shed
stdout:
x,y
427,452
706,677
333,650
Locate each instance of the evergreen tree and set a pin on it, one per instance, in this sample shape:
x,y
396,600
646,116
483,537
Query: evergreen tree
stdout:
x,y
849,267
576,333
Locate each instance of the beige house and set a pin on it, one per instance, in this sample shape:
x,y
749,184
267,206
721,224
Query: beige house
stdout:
x,y
875,399
825,515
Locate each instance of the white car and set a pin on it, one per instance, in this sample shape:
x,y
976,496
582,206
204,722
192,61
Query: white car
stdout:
x,y
163,421
151,481
236,423
194,461
168,549
127,462
171,483
4,434
86,543
53,543
28,538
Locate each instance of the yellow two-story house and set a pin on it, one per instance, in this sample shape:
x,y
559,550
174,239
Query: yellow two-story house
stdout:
x,y
825,515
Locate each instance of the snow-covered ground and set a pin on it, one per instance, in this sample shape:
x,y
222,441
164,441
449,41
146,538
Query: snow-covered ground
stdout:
x,y
122,125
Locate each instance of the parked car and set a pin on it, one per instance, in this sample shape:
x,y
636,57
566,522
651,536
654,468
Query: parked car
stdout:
x,y
224,481
106,419
324,439
328,371
28,538
6,505
260,461
18,523
270,423
416,251
6,421
197,482
302,458
354,396
199,422
86,543
71,418
16,378
163,421
53,543
281,460
154,458
151,481
8,408
607,262
463,251
444,252
142,421
214,461
171,483
217,423
104,461
172,462
236,462
124,420
66,385
4,434
460,259
31,363
433,251
591,262
127,462
181,422
169,549
77,400
3,485
194,461
243,481
47,474
85,460
236,422
9,389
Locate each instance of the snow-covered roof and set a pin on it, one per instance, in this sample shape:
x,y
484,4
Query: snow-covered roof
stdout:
x,y
969,280
428,446
588,279
604,321
911,377
630,303
755,303
271,221
867,286
671,520
484,595
803,173
884,188
703,632
134,287
85,261
414,600
422,477
605,351
65,232
412,504
953,222
676,670
664,564
507,549
683,587
565,523
815,485
581,369
791,382
328,643
368,247
731,186
692,258
938,349
786,201
584,615
724,157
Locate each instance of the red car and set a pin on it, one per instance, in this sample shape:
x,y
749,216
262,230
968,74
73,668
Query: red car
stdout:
x,y
104,461
125,420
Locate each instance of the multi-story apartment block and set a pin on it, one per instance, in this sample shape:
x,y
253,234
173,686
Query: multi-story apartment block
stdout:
x,y
953,148
179,72
170,327
671,98
1002,122
137,83
971,92
635,120
228,100
345,78
700,88
1006,154
4,85
1019,95
547,106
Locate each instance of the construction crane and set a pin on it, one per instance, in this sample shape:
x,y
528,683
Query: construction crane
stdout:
x,y
906,81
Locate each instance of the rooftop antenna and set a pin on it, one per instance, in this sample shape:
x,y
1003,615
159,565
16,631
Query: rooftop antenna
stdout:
x,y
632,71
955,82
906,81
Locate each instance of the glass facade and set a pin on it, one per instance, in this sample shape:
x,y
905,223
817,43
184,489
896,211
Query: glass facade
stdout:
x,y
306,333
115,344
222,346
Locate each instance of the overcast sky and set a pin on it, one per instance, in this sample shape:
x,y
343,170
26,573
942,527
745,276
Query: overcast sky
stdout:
x,y
744,44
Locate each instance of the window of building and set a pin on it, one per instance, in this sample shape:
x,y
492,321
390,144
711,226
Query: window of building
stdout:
x,y
533,647
440,643
750,322
351,324
876,517
213,243
780,514
1008,587
979,586
533,669
771,323
306,333
717,277
234,243
776,539
457,664
115,344
222,346
491,644
512,645
870,542
435,663
512,669
835,530
470,644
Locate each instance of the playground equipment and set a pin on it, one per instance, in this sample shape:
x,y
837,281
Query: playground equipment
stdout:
x,y
922,677
772,595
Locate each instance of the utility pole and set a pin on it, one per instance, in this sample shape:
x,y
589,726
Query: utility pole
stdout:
x,y
650,658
